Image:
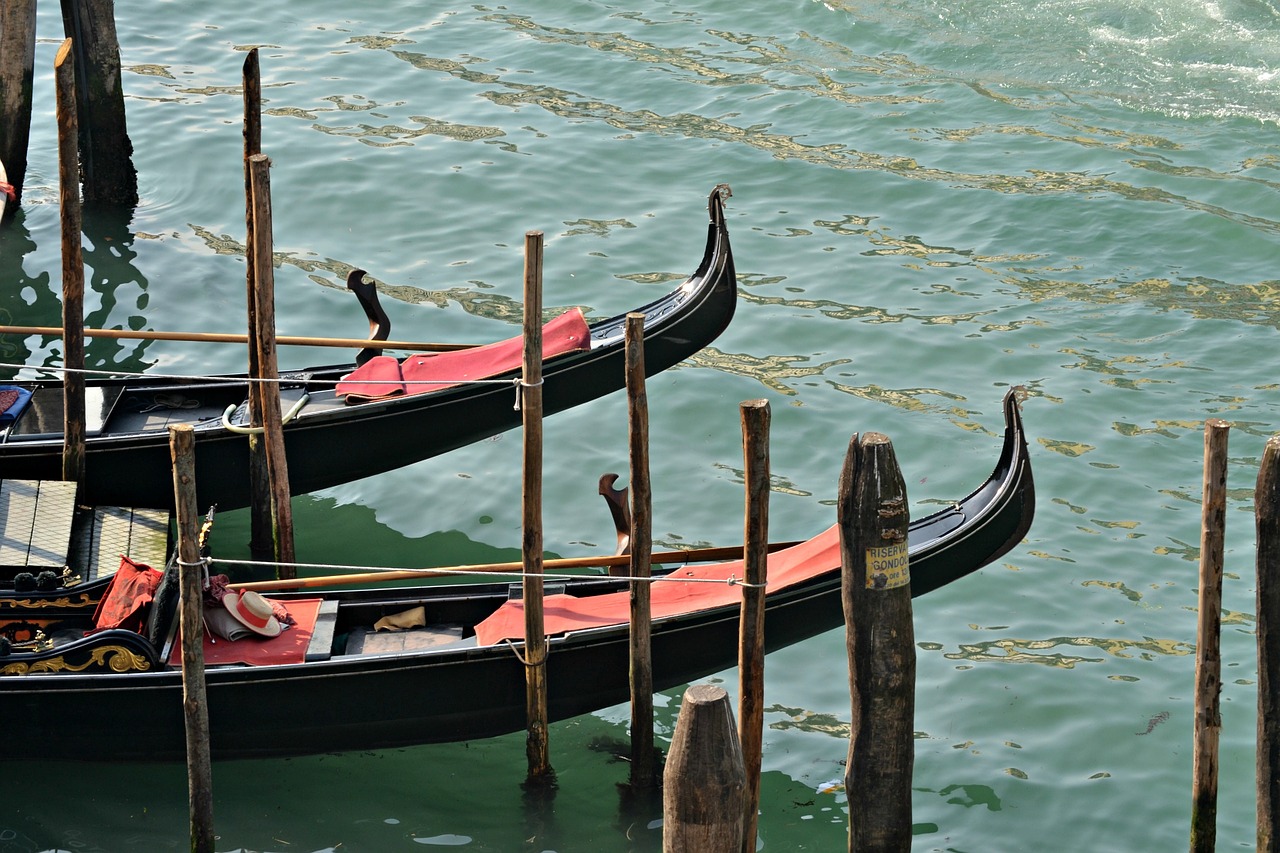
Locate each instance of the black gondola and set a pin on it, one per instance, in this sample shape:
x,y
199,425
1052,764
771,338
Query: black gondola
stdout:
x,y
113,696
328,441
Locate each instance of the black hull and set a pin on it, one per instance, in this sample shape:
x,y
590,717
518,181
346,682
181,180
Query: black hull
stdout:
x,y
375,702
329,444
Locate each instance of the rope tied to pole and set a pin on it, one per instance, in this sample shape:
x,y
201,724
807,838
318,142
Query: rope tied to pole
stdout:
x,y
520,384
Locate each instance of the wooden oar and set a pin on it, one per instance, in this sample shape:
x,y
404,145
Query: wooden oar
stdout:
x,y
226,338
697,555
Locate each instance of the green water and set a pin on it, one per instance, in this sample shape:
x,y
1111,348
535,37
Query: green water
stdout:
x,y
932,201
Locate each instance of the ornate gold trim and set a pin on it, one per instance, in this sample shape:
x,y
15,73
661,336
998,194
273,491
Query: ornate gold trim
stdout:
x,y
114,658
83,600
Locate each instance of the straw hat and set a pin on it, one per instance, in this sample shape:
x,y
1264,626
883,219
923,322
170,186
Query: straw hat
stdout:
x,y
253,611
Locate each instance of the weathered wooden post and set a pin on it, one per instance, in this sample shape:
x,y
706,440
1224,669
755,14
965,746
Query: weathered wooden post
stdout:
x,y
273,429
195,706
1267,512
260,536
881,644
704,782
106,164
535,638
755,452
73,428
643,766
1208,719
17,79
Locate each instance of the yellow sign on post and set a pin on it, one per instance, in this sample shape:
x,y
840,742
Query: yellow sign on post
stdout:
x,y
887,566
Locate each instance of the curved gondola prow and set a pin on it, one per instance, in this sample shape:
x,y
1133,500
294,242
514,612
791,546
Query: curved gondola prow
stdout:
x,y
986,524
717,251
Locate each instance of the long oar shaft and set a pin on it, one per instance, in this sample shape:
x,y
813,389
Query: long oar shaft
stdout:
x,y
231,338
700,555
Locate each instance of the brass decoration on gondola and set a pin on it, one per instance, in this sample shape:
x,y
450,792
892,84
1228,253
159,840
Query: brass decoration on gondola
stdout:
x,y
82,600
113,658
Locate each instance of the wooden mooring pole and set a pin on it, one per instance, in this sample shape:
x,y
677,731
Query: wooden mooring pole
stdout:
x,y
73,414
106,164
261,540
535,638
876,585
704,781
1267,513
643,760
755,452
1208,690
273,430
17,79
195,705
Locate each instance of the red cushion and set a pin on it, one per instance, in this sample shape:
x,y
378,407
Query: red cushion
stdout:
x,y
424,373
125,603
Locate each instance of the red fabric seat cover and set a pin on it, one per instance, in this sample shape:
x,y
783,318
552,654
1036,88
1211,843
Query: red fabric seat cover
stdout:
x,y
125,602
382,376
562,613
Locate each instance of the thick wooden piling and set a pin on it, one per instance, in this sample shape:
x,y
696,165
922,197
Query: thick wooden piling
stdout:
x,y
643,765
704,782
1267,515
1208,719
535,638
195,705
106,164
260,537
273,430
17,79
876,585
755,452
73,414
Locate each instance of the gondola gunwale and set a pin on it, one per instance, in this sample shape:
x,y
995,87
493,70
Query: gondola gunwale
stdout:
x,y
482,686
121,467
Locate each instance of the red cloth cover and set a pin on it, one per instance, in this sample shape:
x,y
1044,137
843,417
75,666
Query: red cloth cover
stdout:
x,y
125,603
567,333
289,647
562,613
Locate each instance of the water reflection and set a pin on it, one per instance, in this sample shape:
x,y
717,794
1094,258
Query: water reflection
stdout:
x,y
35,299
1008,650
27,297
491,305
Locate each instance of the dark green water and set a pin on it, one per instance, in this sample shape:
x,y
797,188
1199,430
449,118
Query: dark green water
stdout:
x,y
932,201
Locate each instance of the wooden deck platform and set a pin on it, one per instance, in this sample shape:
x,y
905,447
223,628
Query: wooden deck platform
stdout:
x,y
42,529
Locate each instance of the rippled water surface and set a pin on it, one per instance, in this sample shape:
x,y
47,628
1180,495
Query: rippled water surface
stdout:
x,y
932,202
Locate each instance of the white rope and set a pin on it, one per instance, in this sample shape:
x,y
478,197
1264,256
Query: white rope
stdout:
x,y
290,380
730,581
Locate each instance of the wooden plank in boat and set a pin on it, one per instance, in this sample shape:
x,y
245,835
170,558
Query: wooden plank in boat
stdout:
x,y
399,642
35,523
51,536
107,532
321,645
